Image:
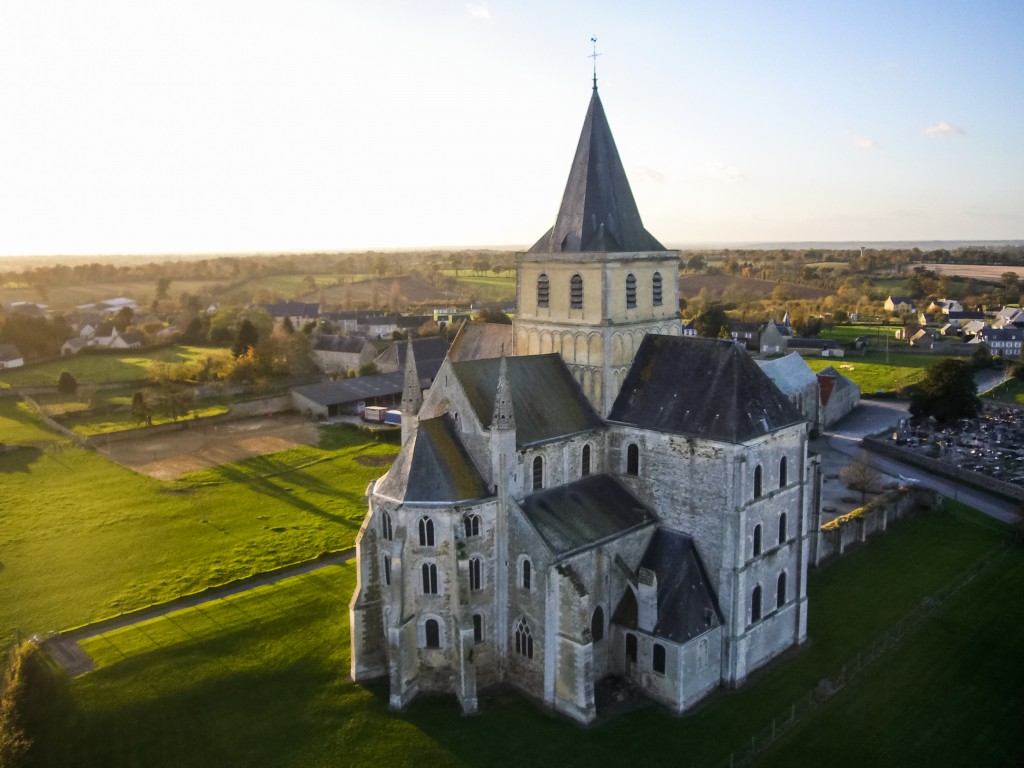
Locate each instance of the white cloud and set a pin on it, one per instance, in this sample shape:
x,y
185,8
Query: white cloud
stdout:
x,y
479,10
643,173
942,129
864,143
730,174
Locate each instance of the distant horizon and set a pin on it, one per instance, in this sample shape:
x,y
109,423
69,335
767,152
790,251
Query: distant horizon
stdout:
x,y
924,245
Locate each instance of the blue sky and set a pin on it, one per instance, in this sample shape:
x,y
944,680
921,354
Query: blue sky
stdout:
x,y
135,126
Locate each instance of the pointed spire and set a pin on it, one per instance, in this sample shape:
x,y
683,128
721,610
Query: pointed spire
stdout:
x,y
412,395
598,212
503,417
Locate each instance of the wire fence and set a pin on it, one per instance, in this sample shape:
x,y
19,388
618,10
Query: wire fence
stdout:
x,y
803,708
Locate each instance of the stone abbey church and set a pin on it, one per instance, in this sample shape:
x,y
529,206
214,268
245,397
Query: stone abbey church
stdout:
x,y
587,493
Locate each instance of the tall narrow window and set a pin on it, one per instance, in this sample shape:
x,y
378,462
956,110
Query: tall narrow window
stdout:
x,y
656,289
585,463
658,662
429,579
597,624
755,604
478,628
782,472
757,540
432,633
780,592
474,573
385,525
632,459
472,525
630,291
757,481
543,290
426,532
576,291
387,570
631,647
524,639
526,574
538,473
782,528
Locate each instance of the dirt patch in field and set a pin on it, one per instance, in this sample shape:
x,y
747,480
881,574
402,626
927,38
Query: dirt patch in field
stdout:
x,y
198,446
377,461
985,272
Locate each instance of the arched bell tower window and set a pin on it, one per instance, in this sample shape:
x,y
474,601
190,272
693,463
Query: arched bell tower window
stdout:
x,y
782,472
757,481
585,463
632,459
656,292
543,290
576,291
538,473
630,291
755,604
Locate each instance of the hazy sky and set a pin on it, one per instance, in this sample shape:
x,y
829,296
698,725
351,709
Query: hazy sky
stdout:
x,y
232,125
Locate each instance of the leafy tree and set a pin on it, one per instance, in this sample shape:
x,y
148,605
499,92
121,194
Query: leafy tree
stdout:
x,y
981,358
299,355
140,409
163,285
861,474
947,393
368,369
176,400
713,321
194,331
288,326
66,383
492,314
309,283
35,694
246,337
123,318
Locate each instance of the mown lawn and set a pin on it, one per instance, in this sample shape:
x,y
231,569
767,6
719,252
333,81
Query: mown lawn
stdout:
x,y
1010,391
489,288
101,368
261,679
82,538
878,370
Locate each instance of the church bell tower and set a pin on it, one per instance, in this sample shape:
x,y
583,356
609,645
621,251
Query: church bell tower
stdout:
x,y
597,281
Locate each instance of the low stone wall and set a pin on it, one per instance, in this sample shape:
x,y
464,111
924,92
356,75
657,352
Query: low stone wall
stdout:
x,y
944,469
834,538
53,424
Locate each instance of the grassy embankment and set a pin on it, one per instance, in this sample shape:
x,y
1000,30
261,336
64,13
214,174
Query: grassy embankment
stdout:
x,y
260,679
82,538
1010,391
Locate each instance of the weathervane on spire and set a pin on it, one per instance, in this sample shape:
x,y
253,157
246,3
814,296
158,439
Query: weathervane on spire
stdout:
x,y
594,55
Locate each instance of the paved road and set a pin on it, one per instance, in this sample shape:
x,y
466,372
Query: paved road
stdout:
x,y
875,415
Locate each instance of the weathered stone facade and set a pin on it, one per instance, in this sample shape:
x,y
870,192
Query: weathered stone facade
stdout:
x,y
611,500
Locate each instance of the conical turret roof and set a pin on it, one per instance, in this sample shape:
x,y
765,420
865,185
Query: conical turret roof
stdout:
x,y
598,212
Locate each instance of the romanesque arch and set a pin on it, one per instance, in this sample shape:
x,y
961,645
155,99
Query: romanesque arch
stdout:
x,y
533,347
595,357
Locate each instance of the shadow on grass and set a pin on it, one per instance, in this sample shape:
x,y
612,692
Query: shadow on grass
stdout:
x,y
19,459
267,487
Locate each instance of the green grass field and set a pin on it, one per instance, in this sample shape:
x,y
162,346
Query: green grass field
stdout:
x,y
878,370
488,288
132,365
1010,391
83,538
875,334
261,679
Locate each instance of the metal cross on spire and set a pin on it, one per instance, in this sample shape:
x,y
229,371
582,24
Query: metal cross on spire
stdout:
x,y
594,55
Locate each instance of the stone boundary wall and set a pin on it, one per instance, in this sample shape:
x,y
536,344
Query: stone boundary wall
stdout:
x,y
263,406
834,538
944,469
53,424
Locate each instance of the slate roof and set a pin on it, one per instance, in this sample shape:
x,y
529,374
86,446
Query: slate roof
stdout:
x,y
585,513
351,390
546,400
478,341
705,388
331,343
433,466
791,373
841,382
687,606
429,352
598,212
9,352
292,309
